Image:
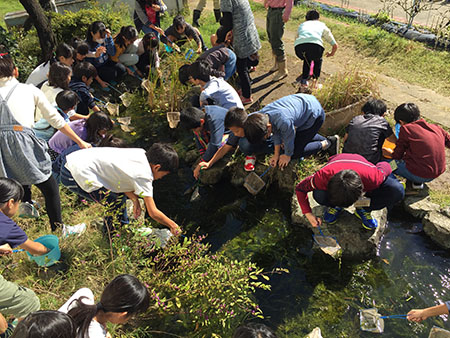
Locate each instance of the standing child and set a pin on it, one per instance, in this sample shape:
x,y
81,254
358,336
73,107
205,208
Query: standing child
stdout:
x,y
149,58
366,133
420,148
124,297
83,75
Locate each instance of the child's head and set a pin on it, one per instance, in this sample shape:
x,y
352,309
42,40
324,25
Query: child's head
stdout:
x,y
192,118
184,74
7,67
375,107
48,324
200,72
163,160
344,188
11,193
85,71
312,15
59,75
257,128
406,113
221,35
122,298
254,330
150,41
81,49
126,36
179,23
97,125
235,119
67,100
64,54
96,32
112,142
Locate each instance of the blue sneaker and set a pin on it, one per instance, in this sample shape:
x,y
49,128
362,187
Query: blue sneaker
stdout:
x,y
367,221
331,215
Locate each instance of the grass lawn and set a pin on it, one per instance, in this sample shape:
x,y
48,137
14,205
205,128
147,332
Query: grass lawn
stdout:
x,y
7,6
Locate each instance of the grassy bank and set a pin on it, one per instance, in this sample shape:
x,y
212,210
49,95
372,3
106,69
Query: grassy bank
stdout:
x,y
7,6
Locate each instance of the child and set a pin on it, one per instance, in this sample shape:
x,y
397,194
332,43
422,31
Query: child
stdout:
x,y
81,50
91,130
147,16
66,102
181,31
101,48
63,54
294,121
342,181
124,297
417,315
420,148
309,45
366,133
50,324
83,75
149,58
208,127
220,92
14,299
126,37
110,173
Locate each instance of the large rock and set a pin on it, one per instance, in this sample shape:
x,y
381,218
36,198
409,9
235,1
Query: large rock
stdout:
x,y
419,205
356,241
437,226
213,174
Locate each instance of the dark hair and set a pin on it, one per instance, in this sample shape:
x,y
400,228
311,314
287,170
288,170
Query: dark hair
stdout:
x,y
6,63
200,70
179,21
255,127
80,46
312,15
164,155
221,34
127,32
66,100
94,123
235,117
254,330
344,188
184,73
84,69
150,41
58,75
113,142
96,26
407,112
190,118
10,189
125,293
63,50
374,106
49,324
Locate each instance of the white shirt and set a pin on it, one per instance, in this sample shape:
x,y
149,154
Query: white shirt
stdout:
x,y
117,169
50,93
39,74
23,103
96,330
222,93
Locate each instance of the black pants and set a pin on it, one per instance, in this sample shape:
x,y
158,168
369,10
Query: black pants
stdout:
x,y
50,190
111,71
309,52
242,67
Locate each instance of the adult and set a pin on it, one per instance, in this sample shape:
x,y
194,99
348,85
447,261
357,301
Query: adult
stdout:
x,y
278,12
309,45
200,7
147,16
238,16
23,156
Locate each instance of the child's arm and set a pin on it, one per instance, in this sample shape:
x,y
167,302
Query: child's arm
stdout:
x,y
217,156
159,216
136,205
447,138
101,82
301,191
345,137
34,248
66,130
5,249
3,324
78,117
417,315
392,138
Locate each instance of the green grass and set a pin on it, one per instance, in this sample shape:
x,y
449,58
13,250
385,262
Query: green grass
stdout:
x,y
7,6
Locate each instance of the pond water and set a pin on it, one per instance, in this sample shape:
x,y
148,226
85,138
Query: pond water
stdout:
x,y
409,272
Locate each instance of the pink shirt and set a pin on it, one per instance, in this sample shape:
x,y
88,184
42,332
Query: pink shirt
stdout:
x,y
287,4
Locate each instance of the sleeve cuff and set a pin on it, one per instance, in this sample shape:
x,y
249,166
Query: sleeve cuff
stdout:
x,y
447,303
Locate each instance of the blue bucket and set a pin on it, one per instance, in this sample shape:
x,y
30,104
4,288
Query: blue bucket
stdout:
x,y
50,258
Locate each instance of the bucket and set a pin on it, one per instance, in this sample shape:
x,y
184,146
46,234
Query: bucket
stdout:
x,y
50,258
173,118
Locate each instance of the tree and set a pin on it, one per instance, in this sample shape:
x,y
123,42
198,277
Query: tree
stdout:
x,y
42,23
414,7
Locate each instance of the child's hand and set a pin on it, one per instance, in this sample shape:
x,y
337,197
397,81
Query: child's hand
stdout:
x,y
108,33
129,71
274,160
199,50
84,145
136,209
5,249
314,220
157,8
417,315
328,54
99,51
284,161
175,230
200,166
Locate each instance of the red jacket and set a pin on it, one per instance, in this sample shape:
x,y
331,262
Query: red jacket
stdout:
x,y
422,146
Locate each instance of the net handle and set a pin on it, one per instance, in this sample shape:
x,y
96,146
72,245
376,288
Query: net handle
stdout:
x,y
394,316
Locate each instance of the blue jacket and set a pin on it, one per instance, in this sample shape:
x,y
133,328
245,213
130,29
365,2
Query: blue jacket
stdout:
x,y
215,125
101,60
290,114
82,90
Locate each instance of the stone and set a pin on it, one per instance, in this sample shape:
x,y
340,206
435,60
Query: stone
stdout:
x,y
191,156
437,226
213,174
419,205
356,241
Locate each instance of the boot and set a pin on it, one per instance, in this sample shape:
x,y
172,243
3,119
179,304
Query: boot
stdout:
x,y
195,18
275,64
217,14
282,71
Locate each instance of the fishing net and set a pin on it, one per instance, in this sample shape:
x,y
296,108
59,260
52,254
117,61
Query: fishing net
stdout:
x,y
253,183
125,124
173,118
316,333
328,245
147,85
371,321
112,108
126,99
437,332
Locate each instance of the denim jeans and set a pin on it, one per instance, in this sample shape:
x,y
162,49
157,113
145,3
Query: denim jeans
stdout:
x,y
402,171
230,65
247,148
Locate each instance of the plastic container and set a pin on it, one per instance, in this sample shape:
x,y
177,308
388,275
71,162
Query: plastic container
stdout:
x,y
51,257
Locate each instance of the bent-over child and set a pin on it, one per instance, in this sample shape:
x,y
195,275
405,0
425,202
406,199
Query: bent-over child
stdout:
x,y
83,75
180,32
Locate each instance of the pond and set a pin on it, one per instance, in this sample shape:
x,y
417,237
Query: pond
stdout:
x,y
409,272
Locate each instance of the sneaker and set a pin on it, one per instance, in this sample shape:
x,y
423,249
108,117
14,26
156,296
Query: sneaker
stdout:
x,y
333,148
331,215
367,221
27,210
245,100
417,186
249,164
252,69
